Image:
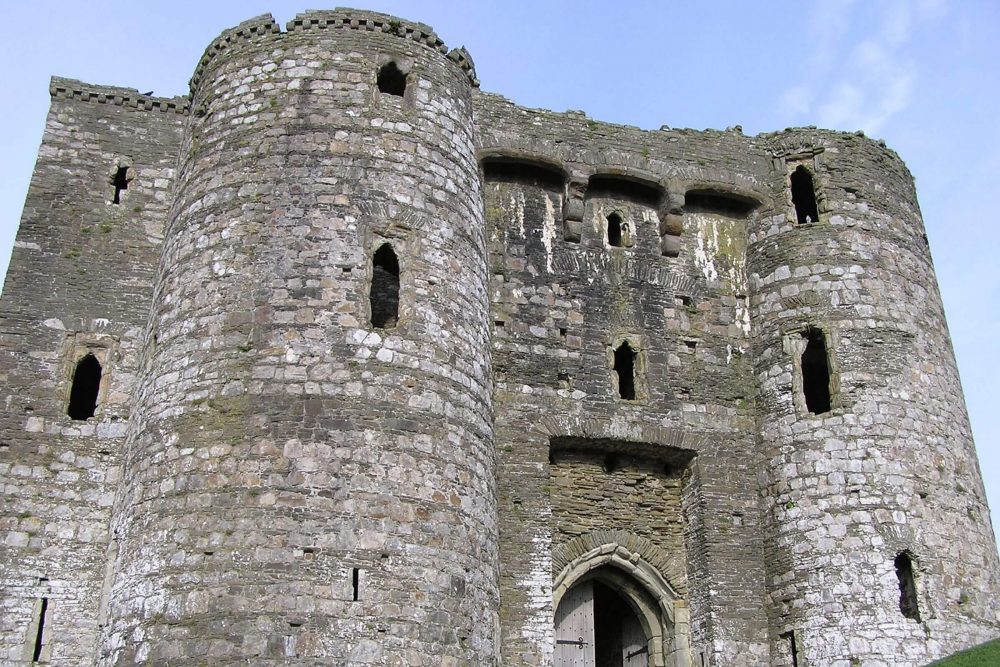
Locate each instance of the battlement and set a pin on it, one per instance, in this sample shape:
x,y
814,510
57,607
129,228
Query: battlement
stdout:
x,y
71,89
340,18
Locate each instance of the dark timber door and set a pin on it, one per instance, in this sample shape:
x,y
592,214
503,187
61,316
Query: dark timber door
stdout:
x,y
634,644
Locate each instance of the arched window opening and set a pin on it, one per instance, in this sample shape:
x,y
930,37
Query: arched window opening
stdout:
x,y
625,368
907,587
804,196
719,203
391,80
524,171
620,187
384,295
120,181
86,387
816,372
616,236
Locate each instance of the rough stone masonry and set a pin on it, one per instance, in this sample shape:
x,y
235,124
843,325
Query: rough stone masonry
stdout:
x,y
338,360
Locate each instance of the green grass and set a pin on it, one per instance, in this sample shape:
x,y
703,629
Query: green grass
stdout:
x,y
984,655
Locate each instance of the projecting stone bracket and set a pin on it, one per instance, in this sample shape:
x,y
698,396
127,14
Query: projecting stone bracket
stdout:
x,y
573,209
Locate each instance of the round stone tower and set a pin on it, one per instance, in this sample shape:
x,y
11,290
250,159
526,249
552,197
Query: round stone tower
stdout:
x,y
310,472
878,520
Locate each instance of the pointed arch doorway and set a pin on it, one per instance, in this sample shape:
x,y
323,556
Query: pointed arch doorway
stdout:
x,y
596,627
614,609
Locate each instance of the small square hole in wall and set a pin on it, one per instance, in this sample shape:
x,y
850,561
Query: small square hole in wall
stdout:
x,y
565,380
684,301
391,80
690,346
562,332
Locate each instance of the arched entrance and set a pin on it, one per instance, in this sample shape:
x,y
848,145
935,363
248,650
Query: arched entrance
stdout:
x,y
597,627
613,609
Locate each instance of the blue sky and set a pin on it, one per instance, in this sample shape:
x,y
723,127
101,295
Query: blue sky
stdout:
x,y
922,74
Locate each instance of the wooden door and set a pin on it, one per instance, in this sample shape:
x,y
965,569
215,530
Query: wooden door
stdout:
x,y
634,644
575,627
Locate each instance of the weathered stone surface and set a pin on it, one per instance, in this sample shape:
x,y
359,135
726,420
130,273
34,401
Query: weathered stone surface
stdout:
x,y
270,478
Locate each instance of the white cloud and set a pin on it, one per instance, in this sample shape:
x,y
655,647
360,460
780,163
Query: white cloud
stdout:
x,y
858,78
796,101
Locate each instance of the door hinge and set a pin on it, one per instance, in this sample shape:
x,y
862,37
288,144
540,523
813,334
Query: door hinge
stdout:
x,y
572,642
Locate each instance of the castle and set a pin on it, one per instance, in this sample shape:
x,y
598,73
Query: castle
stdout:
x,y
339,360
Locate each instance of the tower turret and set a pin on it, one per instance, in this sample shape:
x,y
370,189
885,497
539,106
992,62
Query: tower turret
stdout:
x,y
309,472
869,467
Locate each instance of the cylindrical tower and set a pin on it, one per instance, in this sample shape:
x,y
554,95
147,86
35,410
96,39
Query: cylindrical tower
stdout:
x,y
310,471
879,546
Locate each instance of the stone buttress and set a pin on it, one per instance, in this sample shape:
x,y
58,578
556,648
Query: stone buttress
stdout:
x,y
300,483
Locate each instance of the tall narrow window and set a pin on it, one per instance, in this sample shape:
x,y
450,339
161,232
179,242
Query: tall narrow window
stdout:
x,y
816,372
385,288
793,649
615,231
391,80
804,196
356,583
120,182
907,587
625,368
86,386
39,653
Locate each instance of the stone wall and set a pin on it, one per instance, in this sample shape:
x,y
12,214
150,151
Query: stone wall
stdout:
x,y
79,283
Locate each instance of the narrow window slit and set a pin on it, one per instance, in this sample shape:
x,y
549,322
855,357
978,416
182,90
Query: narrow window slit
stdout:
x,y
384,295
391,80
40,638
625,368
356,582
611,463
907,587
615,231
816,372
120,182
86,387
804,196
793,649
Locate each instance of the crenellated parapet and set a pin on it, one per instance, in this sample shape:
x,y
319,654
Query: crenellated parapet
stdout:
x,y
71,89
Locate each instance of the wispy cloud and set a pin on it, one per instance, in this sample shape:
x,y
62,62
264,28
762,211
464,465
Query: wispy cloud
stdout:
x,y
858,75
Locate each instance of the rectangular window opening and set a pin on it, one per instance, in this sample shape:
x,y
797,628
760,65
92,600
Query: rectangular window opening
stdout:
x,y
908,606
816,372
625,369
356,582
120,182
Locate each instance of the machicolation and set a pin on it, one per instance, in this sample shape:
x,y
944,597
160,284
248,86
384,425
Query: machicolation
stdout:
x,y
382,369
